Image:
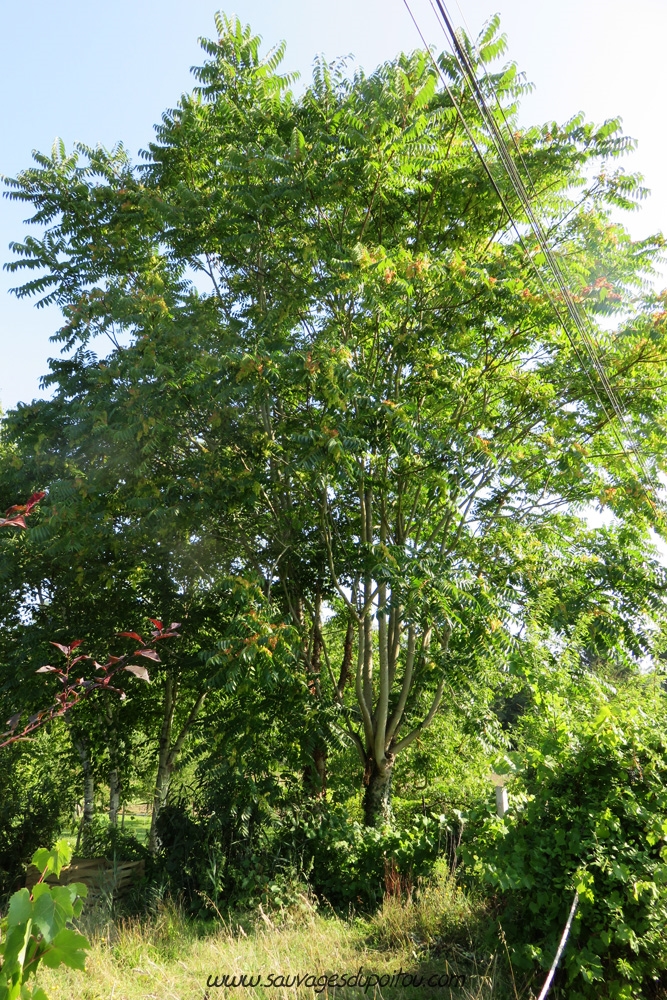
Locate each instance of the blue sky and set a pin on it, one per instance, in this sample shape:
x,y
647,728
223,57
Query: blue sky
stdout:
x,y
103,72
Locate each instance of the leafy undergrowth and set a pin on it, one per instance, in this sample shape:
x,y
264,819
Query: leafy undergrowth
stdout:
x,y
171,957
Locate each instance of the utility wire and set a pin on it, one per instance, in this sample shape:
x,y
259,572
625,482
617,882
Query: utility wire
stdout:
x,y
583,324
520,190
507,162
510,132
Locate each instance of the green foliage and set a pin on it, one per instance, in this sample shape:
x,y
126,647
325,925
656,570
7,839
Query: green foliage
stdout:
x,y
100,839
36,928
365,398
588,814
36,798
355,458
354,865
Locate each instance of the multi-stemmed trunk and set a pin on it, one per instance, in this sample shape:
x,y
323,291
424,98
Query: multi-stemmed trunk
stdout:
x,y
377,791
389,662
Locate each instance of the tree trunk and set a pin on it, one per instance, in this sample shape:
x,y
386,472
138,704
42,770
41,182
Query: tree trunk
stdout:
x,y
377,796
114,773
163,764
315,773
159,798
114,796
81,747
168,753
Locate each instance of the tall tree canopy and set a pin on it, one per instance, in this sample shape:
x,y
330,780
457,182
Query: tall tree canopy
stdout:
x,y
334,370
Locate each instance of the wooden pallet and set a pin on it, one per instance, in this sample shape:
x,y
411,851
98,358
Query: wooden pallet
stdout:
x,y
97,874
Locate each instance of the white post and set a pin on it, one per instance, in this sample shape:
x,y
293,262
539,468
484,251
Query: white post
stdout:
x,y
502,804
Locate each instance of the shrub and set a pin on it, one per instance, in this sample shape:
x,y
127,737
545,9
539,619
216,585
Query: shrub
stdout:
x,y
354,865
35,799
99,839
589,816
37,928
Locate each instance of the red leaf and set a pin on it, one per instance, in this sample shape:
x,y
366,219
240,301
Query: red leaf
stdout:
x,y
14,522
157,623
131,635
84,656
25,508
174,626
150,654
63,649
77,642
34,500
47,670
138,672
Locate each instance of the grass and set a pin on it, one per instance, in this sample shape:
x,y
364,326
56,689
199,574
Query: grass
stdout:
x,y
170,957
134,823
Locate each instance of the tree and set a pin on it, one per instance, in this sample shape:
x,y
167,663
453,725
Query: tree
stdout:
x,y
374,404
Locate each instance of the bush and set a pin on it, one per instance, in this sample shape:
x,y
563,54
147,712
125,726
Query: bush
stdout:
x,y
99,839
36,796
354,865
590,816
312,847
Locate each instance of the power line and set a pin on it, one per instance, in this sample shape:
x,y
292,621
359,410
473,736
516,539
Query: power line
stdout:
x,y
517,183
583,325
468,74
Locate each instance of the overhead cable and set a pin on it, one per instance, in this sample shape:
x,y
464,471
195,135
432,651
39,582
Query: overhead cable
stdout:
x,y
575,316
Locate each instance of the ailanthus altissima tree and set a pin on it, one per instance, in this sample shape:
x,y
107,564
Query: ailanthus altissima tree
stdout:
x,y
365,399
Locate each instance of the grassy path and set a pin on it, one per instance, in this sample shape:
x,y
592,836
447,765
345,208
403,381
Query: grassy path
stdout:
x,y
171,958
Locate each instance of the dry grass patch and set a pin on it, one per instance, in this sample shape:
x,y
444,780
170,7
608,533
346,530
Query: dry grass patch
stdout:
x,y
173,958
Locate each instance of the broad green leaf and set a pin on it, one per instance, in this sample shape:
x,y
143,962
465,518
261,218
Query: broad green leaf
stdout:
x,y
67,948
20,908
